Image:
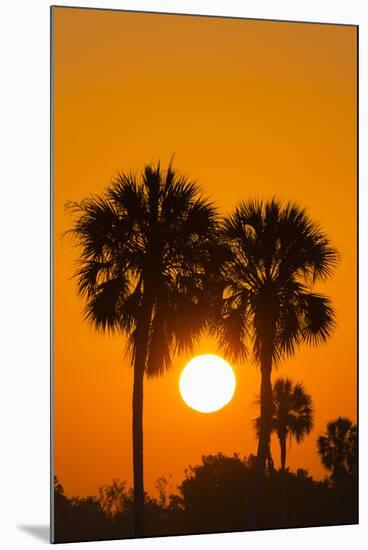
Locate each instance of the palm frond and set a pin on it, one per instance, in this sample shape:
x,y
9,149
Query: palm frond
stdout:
x,y
103,307
318,317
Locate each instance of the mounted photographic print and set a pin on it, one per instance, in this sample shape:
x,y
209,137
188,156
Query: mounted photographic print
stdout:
x,y
204,363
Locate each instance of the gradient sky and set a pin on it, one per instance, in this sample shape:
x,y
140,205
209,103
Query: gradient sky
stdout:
x,y
249,109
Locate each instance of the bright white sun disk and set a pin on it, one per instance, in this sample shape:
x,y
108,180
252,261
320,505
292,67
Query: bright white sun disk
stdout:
x,y
207,383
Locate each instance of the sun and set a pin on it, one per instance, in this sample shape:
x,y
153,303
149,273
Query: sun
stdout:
x,y
207,383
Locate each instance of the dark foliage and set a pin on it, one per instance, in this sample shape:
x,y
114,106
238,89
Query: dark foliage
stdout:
x,y
215,496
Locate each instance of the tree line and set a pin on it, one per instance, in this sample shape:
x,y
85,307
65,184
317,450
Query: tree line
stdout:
x,y
158,263
216,496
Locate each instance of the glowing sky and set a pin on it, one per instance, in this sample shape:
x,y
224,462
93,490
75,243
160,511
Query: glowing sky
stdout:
x,y
250,109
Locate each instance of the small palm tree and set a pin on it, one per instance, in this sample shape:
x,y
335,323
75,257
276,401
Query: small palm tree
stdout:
x,y
146,249
338,448
292,414
269,307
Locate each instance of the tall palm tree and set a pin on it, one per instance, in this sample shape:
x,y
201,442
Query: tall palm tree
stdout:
x,y
269,307
292,414
338,448
146,249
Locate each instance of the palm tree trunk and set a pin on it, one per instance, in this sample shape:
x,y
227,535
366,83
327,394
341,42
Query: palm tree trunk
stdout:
x,y
282,439
264,436
137,423
265,423
338,476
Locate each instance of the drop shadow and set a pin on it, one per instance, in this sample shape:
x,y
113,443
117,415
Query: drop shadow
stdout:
x,y
41,532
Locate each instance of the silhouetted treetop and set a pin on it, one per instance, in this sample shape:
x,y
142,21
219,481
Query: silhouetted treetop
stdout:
x,y
338,448
150,233
277,254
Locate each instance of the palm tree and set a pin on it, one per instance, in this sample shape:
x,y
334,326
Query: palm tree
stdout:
x,y
292,414
338,451
338,448
269,308
146,249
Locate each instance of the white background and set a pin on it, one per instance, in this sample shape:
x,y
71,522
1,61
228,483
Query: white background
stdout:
x,y
24,271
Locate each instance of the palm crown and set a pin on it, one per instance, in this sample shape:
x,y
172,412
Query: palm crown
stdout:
x,y
338,448
277,254
292,409
150,237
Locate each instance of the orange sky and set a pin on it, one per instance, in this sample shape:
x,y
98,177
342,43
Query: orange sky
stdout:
x,y
249,108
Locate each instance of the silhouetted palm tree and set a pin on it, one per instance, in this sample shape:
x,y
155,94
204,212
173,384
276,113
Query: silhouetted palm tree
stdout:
x,y
146,247
292,414
277,254
338,448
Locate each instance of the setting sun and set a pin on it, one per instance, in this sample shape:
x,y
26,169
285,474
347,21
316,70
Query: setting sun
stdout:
x,y
207,383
